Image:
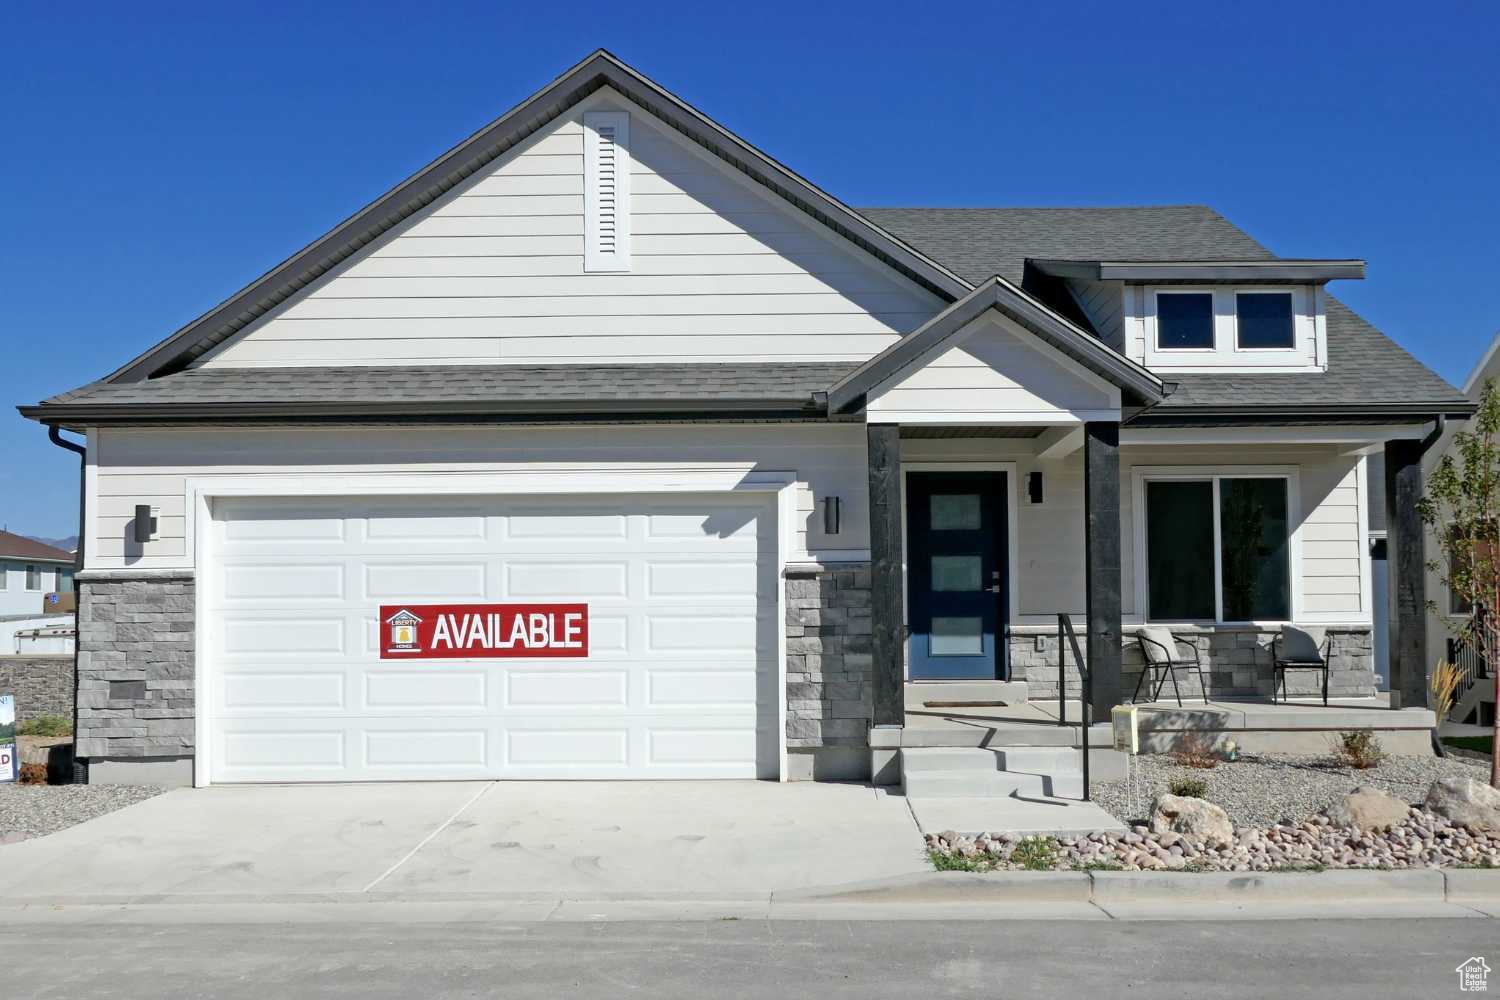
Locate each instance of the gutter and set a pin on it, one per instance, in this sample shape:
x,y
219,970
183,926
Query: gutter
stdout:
x,y
54,434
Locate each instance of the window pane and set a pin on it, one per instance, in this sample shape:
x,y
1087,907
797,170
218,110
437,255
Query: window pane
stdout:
x,y
956,637
1184,321
33,578
4,576
64,581
1180,551
1264,319
956,573
955,512
1253,535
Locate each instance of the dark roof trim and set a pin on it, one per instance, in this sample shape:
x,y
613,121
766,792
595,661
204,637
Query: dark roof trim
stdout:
x,y
93,414
1311,413
1006,298
598,70
1204,271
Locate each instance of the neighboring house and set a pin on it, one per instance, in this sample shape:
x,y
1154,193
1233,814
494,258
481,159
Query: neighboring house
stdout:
x,y
788,456
29,570
1445,619
32,572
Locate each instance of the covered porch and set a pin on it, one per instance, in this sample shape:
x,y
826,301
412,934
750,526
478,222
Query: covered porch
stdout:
x,y
1017,476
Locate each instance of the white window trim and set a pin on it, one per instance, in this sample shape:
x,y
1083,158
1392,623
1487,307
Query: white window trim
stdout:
x,y
1153,328
1234,298
1141,475
1308,352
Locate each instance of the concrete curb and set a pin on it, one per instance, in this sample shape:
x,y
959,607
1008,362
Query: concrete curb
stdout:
x,y
1279,888
953,887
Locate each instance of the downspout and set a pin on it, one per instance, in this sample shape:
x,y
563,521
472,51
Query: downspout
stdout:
x,y
54,434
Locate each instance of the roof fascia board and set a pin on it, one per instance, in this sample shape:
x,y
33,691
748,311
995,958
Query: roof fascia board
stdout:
x,y
474,153
999,294
1205,271
1331,413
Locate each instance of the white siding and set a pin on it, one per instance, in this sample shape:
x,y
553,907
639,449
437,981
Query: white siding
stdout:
x,y
154,466
994,372
1049,549
1103,303
718,269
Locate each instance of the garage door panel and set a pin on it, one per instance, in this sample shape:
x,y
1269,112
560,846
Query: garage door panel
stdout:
x,y
554,689
680,680
563,579
448,581
320,581
414,691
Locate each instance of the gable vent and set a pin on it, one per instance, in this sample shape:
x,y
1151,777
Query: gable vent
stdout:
x,y
606,191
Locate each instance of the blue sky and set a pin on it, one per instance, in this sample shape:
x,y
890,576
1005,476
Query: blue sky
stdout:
x,y
160,156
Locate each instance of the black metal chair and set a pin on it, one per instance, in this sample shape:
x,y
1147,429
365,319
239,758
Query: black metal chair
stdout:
x,y
1161,651
1298,649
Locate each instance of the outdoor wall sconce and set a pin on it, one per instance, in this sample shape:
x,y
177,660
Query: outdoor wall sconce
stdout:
x,y
831,515
145,523
1034,487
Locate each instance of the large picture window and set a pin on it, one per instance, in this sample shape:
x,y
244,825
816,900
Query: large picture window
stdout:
x,y
1218,549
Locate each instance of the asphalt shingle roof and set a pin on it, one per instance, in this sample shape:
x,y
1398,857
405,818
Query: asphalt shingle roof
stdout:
x,y
497,384
1364,365
16,546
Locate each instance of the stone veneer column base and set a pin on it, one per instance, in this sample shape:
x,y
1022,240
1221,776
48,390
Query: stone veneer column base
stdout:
x,y
1237,663
136,701
828,671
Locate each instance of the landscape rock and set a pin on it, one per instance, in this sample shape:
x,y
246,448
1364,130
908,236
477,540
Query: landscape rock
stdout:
x,y
1196,818
1465,802
1369,808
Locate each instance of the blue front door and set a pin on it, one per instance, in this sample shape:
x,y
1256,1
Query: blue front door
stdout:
x,y
956,587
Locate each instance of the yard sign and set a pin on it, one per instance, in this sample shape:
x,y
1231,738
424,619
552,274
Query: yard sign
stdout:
x,y
471,631
7,737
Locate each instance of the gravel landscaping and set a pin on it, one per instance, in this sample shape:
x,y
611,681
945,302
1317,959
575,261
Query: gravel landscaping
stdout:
x,y
1261,789
34,810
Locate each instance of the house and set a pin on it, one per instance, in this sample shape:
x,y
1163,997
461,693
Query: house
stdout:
x,y
32,573
1475,700
809,467
29,570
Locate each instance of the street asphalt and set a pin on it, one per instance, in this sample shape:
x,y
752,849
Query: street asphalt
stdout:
x,y
215,956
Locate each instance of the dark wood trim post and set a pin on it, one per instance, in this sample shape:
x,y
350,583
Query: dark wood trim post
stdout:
x,y
887,613
1407,568
1101,554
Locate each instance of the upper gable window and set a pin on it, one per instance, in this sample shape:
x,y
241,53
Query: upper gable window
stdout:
x,y
1263,321
1216,327
1184,321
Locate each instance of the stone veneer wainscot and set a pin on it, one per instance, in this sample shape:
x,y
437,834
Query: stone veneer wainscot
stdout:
x,y
135,665
828,670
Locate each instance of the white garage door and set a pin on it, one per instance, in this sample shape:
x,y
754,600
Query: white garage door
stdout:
x,y
679,681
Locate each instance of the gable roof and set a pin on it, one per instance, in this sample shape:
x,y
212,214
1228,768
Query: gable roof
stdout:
x,y
1004,297
599,69
1366,369
14,546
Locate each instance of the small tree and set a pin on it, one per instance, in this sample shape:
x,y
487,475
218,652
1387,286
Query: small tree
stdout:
x,y
1462,508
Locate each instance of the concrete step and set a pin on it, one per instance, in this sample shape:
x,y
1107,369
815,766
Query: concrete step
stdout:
x,y
949,759
1040,760
992,784
979,734
1009,693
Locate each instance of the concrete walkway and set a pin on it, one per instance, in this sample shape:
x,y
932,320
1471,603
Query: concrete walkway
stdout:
x,y
712,840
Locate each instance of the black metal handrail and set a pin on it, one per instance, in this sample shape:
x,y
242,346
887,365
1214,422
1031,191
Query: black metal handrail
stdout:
x,y
1472,665
1065,628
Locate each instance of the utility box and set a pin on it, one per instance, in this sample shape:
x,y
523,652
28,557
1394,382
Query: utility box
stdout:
x,y
59,603
1126,722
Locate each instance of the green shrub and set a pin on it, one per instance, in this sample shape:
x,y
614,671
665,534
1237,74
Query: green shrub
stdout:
x,y
46,725
1037,854
1190,788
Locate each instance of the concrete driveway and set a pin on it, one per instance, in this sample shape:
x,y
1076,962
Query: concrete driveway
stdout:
x,y
720,840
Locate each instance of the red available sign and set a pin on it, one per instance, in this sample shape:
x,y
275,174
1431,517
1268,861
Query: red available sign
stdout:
x,y
469,631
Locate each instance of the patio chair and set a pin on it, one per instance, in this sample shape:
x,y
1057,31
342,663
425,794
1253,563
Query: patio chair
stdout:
x,y
1162,658
1298,649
